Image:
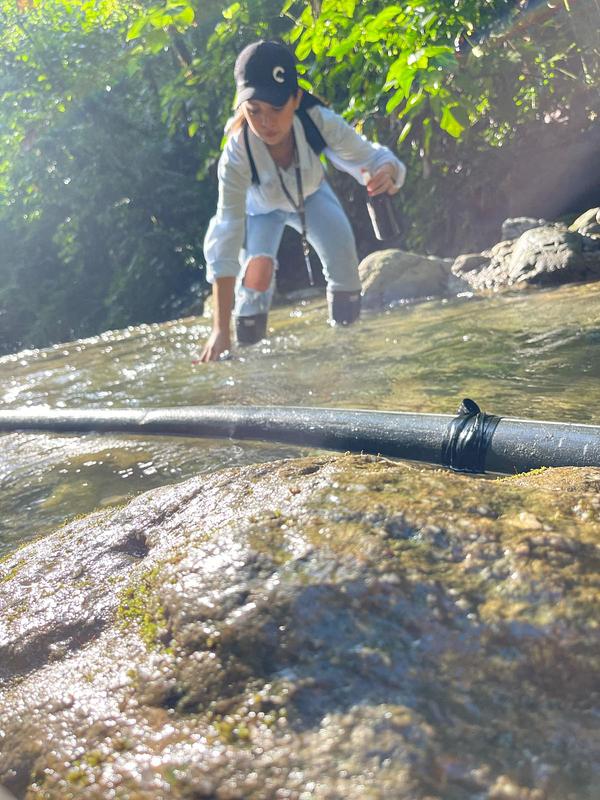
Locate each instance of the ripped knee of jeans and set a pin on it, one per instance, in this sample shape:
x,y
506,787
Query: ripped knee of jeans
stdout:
x,y
258,273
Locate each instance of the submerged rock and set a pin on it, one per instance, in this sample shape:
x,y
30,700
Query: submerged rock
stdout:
x,y
343,627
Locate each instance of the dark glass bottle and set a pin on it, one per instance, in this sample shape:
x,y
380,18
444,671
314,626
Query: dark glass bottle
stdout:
x,y
383,217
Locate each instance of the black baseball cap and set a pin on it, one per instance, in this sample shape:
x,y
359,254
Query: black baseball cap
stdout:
x,y
265,71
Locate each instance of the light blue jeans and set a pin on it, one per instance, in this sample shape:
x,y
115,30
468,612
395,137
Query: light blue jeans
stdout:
x,y
329,233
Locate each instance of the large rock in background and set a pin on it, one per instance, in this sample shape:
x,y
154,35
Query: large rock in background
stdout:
x,y
390,276
533,252
336,627
542,254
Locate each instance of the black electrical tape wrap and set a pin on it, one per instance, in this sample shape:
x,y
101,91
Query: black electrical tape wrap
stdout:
x,y
467,438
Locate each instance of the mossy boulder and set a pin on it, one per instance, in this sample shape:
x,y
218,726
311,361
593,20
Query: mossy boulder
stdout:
x,y
336,627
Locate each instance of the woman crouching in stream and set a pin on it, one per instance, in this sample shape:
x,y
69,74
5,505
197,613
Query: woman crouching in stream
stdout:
x,y
270,176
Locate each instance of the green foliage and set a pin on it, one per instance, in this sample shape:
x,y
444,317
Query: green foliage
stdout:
x,y
100,210
441,64
156,22
448,85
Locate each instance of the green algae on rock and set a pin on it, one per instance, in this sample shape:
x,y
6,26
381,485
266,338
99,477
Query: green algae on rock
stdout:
x,y
341,627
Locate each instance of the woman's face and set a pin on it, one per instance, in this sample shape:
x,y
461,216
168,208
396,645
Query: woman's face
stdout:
x,y
270,123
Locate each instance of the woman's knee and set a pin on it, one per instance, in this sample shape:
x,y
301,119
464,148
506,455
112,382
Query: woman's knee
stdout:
x,y
259,273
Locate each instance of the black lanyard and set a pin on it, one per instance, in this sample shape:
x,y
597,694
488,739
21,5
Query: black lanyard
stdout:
x,y
299,209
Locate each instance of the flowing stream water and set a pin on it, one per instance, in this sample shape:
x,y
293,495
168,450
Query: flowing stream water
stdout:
x,y
532,354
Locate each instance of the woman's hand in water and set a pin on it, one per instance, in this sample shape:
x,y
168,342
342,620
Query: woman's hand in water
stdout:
x,y
384,180
218,342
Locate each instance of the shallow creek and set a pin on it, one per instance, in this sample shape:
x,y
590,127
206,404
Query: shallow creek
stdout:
x,y
533,354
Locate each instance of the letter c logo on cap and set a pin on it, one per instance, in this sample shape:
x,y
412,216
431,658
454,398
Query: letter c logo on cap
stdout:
x,y
278,74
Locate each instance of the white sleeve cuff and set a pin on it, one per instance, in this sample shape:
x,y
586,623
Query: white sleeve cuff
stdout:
x,y
223,268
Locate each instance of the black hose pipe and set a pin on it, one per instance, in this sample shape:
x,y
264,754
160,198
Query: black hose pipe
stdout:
x,y
510,445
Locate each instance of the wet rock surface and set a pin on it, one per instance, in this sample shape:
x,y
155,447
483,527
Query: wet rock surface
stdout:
x,y
342,627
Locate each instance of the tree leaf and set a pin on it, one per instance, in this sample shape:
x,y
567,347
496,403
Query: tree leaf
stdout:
x,y
405,131
304,84
304,46
136,29
449,123
461,115
231,11
395,100
157,40
427,134
185,18
385,16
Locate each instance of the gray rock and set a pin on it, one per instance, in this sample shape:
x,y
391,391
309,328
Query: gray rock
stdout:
x,y
590,217
540,252
543,256
514,227
390,276
309,628
469,262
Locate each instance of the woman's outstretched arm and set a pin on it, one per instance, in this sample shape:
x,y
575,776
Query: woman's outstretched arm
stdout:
x,y
220,338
